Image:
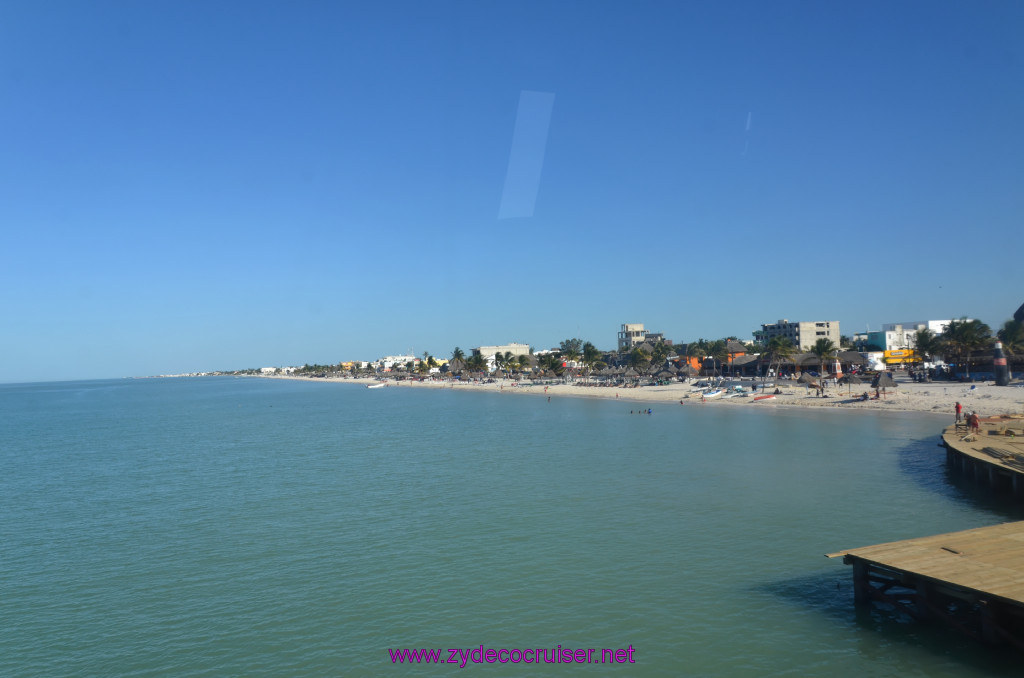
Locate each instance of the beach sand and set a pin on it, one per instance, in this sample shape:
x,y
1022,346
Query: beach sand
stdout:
x,y
985,398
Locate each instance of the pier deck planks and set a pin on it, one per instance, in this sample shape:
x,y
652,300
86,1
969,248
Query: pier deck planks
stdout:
x,y
987,560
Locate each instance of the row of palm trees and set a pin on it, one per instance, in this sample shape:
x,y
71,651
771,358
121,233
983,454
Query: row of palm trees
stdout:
x,y
575,351
964,337
960,339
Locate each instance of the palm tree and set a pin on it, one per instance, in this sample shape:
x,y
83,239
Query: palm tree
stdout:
x,y
506,362
639,359
824,348
661,352
552,362
524,362
965,336
927,344
458,362
718,351
476,363
571,349
777,350
1012,336
591,357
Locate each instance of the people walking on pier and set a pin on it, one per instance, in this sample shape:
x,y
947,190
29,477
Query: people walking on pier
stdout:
x,y
972,423
959,409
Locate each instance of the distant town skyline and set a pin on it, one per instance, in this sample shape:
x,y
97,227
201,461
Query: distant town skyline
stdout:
x,y
225,186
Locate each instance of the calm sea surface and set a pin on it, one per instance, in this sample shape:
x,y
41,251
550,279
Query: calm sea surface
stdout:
x,y
219,526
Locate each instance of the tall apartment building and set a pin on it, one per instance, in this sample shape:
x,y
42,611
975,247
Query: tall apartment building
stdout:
x,y
630,335
802,334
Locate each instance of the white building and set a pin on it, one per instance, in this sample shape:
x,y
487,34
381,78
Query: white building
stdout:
x,y
630,335
488,352
513,348
936,326
803,334
277,370
390,361
901,336
894,337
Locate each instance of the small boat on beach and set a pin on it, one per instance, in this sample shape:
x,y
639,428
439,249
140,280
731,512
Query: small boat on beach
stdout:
x,y
713,394
765,397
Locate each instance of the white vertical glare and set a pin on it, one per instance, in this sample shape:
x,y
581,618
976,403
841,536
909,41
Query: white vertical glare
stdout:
x,y
526,158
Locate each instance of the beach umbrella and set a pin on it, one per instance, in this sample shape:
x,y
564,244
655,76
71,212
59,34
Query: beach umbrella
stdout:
x,y
851,379
883,381
807,380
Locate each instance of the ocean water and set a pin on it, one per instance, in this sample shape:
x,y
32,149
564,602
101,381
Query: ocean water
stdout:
x,y
220,526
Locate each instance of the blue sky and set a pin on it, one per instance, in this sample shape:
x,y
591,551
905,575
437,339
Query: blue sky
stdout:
x,y
189,186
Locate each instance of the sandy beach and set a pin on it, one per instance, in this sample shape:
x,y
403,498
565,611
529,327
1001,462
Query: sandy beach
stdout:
x,y
985,398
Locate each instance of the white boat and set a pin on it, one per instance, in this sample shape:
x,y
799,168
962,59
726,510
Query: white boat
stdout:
x,y
712,394
380,385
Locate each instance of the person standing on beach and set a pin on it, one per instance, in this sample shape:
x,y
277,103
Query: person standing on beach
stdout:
x,y
959,409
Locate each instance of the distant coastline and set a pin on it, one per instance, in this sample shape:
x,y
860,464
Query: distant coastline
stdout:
x,y
931,398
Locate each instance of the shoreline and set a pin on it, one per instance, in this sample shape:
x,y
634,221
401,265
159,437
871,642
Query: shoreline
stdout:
x,y
986,399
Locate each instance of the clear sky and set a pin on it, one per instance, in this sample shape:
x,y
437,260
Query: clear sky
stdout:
x,y
192,186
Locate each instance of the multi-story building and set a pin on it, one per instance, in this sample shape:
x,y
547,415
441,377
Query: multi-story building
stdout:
x,y
630,335
802,334
902,336
936,326
390,361
513,348
894,338
488,352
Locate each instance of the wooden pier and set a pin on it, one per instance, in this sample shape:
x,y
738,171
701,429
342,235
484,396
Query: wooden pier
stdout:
x,y
972,580
993,456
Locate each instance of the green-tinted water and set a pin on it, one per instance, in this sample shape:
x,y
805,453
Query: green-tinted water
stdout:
x,y
241,526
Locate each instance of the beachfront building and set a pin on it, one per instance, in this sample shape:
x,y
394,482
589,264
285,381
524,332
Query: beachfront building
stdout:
x,y
900,336
893,337
513,348
488,352
278,370
803,334
936,326
387,363
631,335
